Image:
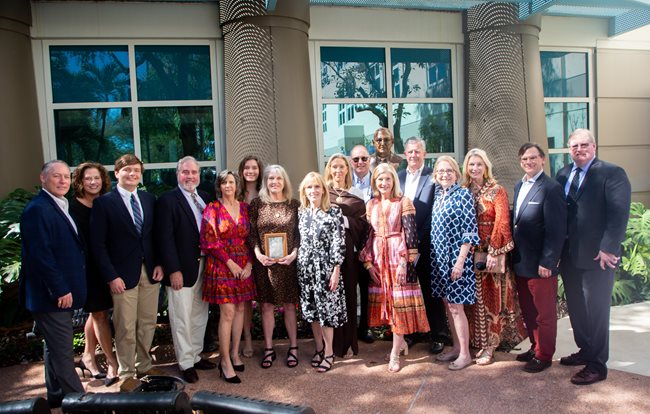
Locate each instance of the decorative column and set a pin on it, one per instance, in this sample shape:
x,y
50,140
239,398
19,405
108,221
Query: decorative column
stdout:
x,y
269,106
505,98
21,154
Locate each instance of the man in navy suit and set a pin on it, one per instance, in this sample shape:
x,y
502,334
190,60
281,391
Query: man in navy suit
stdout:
x,y
417,185
121,225
598,197
178,223
53,277
539,230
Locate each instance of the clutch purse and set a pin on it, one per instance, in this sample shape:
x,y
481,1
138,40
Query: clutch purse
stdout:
x,y
480,263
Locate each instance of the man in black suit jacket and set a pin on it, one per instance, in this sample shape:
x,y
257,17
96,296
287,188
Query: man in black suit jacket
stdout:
x,y
598,197
53,277
121,234
539,230
178,223
416,184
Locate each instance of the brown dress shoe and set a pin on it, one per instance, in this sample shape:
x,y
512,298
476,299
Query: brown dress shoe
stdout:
x,y
526,356
535,365
587,376
151,371
190,375
129,385
573,360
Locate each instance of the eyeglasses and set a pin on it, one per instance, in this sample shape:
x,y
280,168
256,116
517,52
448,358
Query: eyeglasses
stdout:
x,y
531,158
583,145
445,172
356,159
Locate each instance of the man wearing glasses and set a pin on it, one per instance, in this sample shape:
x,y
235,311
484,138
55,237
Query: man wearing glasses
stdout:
x,y
361,171
598,198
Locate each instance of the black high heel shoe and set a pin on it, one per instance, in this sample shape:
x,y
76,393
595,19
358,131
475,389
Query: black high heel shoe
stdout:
x,y
232,380
110,381
239,368
82,366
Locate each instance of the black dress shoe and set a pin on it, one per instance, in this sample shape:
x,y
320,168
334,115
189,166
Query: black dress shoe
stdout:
x,y
436,347
205,364
536,365
587,376
190,375
573,360
526,356
366,336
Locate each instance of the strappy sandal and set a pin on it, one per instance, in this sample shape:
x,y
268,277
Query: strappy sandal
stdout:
x,y
318,358
326,364
485,357
269,357
292,359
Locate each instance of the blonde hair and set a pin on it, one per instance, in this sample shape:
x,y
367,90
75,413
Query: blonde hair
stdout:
x,y
487,173
264,190
581,132
314,177
328,172
385,168
451,161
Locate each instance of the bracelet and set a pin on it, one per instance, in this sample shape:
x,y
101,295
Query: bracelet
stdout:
x,y
368,265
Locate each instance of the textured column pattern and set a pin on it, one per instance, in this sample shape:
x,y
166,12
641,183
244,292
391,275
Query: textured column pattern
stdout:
x,y
269,107
504,90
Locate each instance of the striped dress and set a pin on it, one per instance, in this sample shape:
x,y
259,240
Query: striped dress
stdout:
x,y
222,239
393,236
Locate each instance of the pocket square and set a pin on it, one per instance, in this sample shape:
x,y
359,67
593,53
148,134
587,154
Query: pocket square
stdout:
x,y
533,202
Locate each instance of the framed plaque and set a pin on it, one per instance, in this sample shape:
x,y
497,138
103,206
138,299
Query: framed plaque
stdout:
x,y
275,245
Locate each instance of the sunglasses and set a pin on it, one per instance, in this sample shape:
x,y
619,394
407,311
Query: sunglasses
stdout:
x,y
356,159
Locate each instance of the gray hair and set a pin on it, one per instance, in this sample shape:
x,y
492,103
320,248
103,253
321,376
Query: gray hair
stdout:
x,y
581,132
47,167
416,140
185,159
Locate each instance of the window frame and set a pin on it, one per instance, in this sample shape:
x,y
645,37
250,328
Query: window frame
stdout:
x,y
216,102
456,100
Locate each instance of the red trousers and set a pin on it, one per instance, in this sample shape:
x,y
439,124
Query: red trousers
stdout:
x,y
537,299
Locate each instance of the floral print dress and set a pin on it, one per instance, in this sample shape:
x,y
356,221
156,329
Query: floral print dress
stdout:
x,y
322,247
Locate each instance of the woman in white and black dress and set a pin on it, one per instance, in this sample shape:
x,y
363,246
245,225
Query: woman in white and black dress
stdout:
x,y
321,253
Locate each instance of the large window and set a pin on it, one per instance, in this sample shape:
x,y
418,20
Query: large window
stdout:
x,y
567,102
157,101
408,90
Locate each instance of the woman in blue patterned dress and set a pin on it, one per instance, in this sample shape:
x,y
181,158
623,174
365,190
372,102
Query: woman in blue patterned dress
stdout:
x,y
453,232
321,253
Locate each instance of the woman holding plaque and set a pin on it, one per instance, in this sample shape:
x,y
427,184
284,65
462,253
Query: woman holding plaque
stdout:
x,y
321,253
228,266
274,237
250,172
338,176
389,255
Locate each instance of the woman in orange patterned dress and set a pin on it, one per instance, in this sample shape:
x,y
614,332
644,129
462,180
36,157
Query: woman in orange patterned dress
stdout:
x,y
390,252
495,319
227,277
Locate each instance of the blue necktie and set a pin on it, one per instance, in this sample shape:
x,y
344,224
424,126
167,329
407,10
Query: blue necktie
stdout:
x,y
137,214
575,183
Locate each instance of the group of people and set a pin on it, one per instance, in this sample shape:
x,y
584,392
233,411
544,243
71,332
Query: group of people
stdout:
x,y
434,251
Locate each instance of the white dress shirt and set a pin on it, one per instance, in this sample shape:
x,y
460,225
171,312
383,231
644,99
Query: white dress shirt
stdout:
x,y
126,198
526,185
411,182
198,215
63,204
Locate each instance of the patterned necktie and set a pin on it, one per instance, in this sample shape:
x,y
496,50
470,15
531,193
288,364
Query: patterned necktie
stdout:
x,y
575,183
196,202
137,214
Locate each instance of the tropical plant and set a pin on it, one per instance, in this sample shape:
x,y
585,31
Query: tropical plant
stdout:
x,y
632,283
10,210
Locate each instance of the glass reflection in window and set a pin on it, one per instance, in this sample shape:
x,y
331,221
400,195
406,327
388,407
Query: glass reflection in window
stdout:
x,y
173,72
358,127
434,123
564,74
562,118
100,135
558,161
421,73
353,72
89,74
170,133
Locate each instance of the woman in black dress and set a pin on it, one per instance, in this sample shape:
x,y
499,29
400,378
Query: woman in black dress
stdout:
x,y
89,181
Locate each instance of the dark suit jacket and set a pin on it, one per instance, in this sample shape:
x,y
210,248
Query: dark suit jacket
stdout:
x,y
118,248
539,230
53,260
597,219
177,237
423,203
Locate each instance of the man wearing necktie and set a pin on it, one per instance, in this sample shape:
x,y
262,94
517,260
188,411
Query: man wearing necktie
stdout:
x,y
121,229
178,223
598,199
53,277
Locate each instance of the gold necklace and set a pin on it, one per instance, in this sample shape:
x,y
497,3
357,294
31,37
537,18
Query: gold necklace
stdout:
x,y
339,198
